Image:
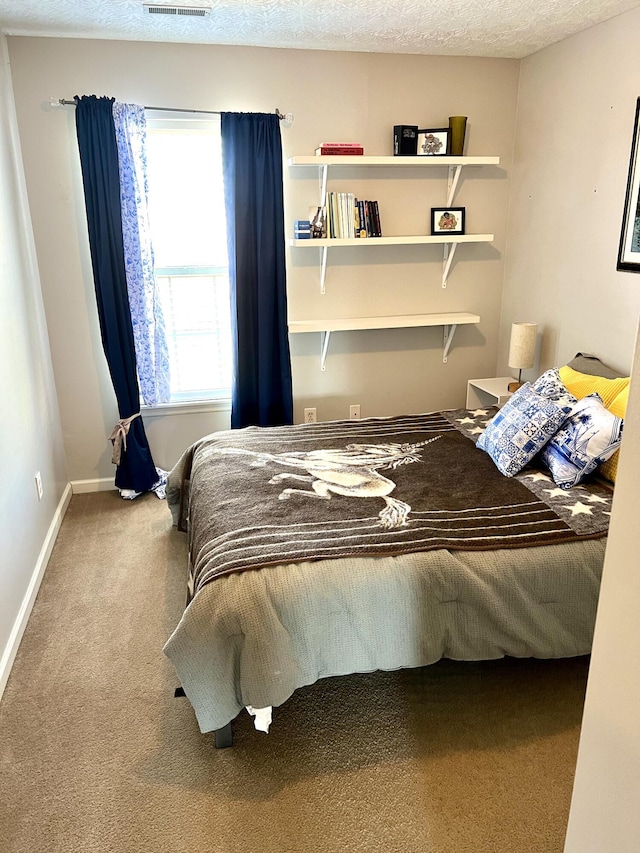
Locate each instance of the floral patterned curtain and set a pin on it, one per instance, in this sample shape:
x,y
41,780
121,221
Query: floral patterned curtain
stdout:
x,y
146,312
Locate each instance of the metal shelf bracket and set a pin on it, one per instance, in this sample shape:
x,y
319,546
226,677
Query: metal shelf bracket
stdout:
x,y
323,172
449,252
324,346
323,267
452,186
449,332
450,248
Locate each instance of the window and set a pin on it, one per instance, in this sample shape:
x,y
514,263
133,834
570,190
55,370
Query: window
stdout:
x,y
189,235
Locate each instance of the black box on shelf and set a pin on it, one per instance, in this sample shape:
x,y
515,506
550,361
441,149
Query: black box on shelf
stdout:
x,y
405,140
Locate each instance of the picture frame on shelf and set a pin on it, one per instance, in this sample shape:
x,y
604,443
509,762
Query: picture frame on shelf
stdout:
x,y
447,220
629,249
432,142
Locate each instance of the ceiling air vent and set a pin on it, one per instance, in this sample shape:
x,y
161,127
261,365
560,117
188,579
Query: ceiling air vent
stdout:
x,y
189,11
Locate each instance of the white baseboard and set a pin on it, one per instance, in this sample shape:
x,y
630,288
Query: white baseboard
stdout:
x,y
9,654
82,487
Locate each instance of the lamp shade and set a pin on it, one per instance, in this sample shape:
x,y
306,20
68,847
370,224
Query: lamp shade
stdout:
x,y
522,348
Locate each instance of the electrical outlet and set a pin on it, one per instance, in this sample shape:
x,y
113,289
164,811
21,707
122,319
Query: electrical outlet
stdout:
x,y
310,416
39,485
354,412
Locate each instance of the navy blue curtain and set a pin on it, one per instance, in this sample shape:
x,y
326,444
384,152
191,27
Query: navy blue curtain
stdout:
x,y
252,162
99,161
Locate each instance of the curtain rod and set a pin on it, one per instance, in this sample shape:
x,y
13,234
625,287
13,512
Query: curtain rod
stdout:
x,y
62,102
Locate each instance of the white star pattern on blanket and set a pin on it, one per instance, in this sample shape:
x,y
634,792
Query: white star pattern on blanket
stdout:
x,y
537,475
559,493
579,508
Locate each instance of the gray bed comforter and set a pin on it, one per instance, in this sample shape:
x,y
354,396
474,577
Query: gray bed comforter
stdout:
x,y
252,637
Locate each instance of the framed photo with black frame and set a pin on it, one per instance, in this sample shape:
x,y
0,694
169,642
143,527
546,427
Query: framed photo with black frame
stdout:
x,y
447,220
433,143
629,250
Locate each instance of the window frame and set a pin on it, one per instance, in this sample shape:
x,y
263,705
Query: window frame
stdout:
x,y
185,120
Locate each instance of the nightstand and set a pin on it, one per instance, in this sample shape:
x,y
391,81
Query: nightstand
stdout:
x,y
488,392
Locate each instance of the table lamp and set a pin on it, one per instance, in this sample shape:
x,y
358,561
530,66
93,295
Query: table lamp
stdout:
x,y
522,349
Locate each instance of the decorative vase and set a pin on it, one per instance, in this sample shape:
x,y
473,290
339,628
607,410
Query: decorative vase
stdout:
x,y
457,128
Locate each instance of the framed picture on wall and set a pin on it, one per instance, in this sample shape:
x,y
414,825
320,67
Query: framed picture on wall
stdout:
x,y
629,251
447,220
433,143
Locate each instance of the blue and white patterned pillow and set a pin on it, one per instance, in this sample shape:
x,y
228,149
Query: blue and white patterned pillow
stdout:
x,y
526,422
589,436
550,385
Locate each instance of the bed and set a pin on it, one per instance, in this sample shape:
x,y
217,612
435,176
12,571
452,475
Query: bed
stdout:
x,y
327,549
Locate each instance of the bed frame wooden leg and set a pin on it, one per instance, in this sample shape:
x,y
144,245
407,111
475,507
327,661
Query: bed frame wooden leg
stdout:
x,y
224,737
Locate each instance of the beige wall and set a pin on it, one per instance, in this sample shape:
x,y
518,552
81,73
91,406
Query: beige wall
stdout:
x,y
573,139
332,96
32,439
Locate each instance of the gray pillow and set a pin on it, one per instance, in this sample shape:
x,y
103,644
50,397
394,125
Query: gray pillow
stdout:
x,y
592,366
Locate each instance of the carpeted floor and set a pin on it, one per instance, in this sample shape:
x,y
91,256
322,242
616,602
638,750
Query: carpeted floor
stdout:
x,y
96,755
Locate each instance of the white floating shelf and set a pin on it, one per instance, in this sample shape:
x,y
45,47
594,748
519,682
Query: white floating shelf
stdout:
x,y
450,322
364,160
418,239
395,321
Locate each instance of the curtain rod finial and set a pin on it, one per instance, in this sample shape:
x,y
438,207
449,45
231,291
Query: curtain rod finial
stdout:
x,y
286,119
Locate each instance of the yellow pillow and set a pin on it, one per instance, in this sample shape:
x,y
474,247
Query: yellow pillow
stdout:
x,y
618,407
581,385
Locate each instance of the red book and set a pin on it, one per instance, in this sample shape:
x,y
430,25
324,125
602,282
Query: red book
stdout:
x,y
328,150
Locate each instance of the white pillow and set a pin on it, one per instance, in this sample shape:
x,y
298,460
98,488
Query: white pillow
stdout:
x,y
589,436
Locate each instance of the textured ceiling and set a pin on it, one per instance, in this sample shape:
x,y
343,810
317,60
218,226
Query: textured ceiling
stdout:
x,y
500,28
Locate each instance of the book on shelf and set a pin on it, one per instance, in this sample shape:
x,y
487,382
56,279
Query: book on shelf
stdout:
x,y
377,228
371,219
366,218
343,217
302,229
361,225
339,150
341,214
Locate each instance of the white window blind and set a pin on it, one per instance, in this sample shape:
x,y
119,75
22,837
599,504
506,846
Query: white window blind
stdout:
x,y
188,230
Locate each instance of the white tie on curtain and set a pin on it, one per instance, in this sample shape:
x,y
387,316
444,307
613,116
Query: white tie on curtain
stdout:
x,y
146,312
